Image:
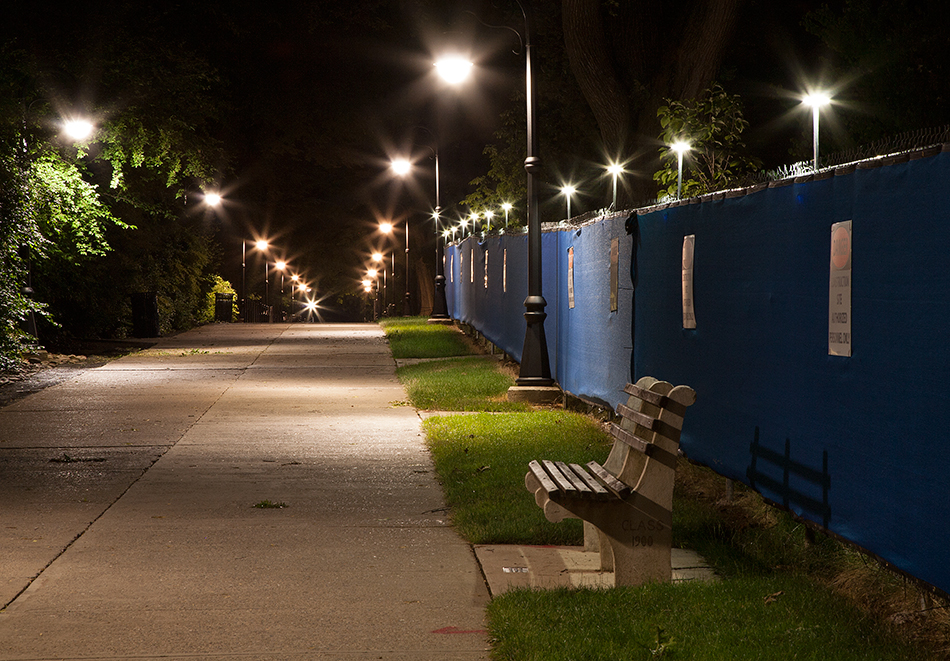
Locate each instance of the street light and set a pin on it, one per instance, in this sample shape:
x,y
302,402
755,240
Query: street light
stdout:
x,y
535,370
212,199
568,191
262,246
380,258
400,166
680,147
615,170
78,129
453,69
507,206
488,216
816,101
281,266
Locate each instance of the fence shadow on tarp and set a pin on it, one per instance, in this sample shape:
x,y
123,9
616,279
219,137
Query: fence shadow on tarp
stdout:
x,y
785,481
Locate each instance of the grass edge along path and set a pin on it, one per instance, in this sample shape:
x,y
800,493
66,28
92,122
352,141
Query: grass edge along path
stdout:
x,y
777,597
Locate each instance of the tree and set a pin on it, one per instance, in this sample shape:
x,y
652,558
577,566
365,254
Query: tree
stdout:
x,y
712,124
628,56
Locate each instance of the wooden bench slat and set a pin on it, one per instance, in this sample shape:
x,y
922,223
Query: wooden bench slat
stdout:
x,y
597,490
608,480
546,482
641,419
654,398
629,438
562,482
648,448
574,479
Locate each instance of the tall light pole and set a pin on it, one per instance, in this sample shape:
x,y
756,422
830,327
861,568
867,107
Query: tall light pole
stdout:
x,y
401,168
615,170
816,101
535,370
568,191
680,147
454,71
507,206
280,266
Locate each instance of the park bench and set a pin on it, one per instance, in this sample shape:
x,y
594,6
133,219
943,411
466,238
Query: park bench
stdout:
x,y
627,503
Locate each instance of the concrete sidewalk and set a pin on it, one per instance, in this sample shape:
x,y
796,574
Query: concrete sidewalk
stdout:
x,y
128,526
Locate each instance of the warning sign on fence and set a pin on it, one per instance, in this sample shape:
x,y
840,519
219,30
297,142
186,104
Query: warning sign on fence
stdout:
x,y
839,291
689,312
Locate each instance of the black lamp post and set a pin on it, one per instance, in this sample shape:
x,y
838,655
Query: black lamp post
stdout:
x,y
535,369
440,309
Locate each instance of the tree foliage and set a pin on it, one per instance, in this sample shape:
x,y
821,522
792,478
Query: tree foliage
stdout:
x,y
64,207
712,124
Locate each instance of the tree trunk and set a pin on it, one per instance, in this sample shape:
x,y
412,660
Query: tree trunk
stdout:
x,y
658,61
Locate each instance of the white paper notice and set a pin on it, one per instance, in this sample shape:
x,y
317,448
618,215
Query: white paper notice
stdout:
x,y
839,292
689,313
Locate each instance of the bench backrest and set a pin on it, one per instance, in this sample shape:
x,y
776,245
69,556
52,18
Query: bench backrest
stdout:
x,y
648,436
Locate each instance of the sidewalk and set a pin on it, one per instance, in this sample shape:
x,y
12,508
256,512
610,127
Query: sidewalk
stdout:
x,y
127,519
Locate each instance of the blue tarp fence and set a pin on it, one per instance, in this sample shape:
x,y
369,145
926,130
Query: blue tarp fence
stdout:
x,y
858,444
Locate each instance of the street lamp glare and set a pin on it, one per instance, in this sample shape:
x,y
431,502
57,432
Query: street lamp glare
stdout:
x,y
615,169
816,100
454,69
680,147
78,129
401,166
507,206
385,228
377,256
212,199
568,190
280,266
372,273
261,245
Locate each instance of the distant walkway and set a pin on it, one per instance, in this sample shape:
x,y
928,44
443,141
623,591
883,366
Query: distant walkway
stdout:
x,y
128,526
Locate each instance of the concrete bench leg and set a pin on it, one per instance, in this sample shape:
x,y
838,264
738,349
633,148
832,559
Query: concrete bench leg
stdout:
x,y
635,547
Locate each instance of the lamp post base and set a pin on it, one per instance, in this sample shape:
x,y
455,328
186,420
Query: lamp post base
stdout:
x,y
535,370
440,309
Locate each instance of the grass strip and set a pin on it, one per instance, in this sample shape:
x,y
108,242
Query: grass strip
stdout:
x,y
473,383
413,337
482,460
766,617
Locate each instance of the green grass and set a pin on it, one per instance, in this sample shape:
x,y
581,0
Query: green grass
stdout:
x,y
781,616
482,460
473,383
413,337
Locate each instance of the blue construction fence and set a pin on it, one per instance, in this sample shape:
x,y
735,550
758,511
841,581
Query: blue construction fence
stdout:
x,y
858,444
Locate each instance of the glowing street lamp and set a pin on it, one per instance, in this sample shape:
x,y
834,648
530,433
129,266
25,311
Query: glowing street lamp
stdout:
x,y
816,101
488,216
615,170
212,199
680,147
262,246
507,206
568,191
400,166
78,129
453,69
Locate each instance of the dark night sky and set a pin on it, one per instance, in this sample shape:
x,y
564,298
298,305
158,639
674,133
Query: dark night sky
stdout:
x,y
317,95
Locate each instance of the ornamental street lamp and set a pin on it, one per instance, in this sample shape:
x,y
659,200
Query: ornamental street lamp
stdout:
x,y
535,370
